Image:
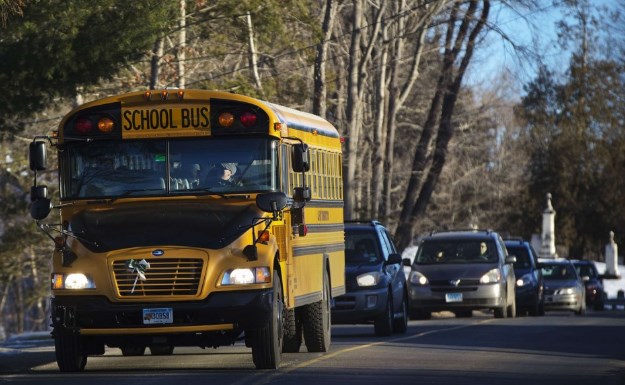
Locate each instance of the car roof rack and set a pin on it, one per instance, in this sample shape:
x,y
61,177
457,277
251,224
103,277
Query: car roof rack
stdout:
x,y
487,231
372,222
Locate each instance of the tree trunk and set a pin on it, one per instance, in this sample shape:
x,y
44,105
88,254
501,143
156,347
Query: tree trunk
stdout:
x,y
157,54
447,91
320,89
182,45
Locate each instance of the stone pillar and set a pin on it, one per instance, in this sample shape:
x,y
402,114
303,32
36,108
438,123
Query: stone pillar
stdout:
x,y
548,237
611,257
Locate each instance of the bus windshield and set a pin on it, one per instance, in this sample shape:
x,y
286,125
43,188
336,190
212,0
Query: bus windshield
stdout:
x,y
113,169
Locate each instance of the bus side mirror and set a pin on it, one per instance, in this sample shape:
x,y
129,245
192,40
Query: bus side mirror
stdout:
x,y
40,208
299,158
272,202
37,155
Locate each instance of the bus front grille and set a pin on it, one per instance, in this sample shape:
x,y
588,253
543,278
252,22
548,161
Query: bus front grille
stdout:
x,y
163,277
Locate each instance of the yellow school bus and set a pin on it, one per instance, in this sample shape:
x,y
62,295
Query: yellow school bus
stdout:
x,y
192,218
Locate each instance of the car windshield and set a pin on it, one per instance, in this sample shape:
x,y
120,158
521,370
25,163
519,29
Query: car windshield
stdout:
x,y
112,169
558,272
456,252
360,247
586,270
523,259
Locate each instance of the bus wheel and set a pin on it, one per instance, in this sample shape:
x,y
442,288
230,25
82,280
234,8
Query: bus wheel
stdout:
x,y
70,355
316,321
267,342
292,332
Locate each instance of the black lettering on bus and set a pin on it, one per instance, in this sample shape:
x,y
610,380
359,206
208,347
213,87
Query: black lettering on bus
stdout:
x,y
154,119
145,120
205,121
127,125
184,117
170,123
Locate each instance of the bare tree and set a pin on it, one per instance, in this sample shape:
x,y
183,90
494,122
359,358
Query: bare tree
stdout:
x,y
463,29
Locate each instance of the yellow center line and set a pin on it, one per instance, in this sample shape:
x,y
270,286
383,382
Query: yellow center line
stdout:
x,y
264,378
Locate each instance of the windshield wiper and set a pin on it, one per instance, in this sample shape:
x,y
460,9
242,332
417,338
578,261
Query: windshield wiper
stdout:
x,y
207,191
129,192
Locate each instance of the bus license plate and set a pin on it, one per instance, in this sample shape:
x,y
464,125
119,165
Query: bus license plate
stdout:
x,y
158,316
453,297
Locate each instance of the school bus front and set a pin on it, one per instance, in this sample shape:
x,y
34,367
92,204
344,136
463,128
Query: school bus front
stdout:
x,y
176,230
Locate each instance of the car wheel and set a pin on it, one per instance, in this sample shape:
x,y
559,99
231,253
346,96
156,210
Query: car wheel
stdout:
x,y
400,325
161,350
582,309
383,324
502,312
512,309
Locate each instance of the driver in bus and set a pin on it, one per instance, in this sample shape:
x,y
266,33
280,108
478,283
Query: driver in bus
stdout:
x,y
221,175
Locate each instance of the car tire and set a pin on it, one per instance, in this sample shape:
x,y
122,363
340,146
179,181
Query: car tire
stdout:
x,y
383,324
161,350
502,312
512,309
400,325
582,309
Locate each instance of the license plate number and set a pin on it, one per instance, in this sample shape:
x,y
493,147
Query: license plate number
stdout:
x,y
158,316
453,297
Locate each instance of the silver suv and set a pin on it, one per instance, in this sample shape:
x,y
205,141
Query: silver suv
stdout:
x,y
461,271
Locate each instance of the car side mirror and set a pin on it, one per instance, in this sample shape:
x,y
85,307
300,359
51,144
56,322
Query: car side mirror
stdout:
x,y
585,278
510,259
406,262
394,259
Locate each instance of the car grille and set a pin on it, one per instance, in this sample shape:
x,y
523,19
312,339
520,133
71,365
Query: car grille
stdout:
x,y
164,277
446,285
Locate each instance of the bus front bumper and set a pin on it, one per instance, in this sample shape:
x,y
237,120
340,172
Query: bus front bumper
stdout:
x,y
223,311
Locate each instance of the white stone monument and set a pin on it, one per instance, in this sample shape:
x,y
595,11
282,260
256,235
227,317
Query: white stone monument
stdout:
x,y
611,257
548,237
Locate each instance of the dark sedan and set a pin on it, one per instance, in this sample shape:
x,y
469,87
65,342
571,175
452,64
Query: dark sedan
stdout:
x,y
595,294
529,289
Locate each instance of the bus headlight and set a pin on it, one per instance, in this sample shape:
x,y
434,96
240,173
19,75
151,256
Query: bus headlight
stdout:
x,y
73,281
246,276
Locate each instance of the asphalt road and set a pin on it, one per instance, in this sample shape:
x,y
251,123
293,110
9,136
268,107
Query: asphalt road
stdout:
x,y
559,348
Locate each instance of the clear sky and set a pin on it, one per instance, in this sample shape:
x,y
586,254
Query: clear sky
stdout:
x,y
534,31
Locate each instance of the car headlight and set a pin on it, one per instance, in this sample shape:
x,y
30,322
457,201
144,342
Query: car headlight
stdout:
x,y
567,290
73,281
493,276
524,280
246,276
417,278
368,279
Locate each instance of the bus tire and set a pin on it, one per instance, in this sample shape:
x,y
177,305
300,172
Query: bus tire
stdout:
x,y
161,350
133,350
292,332
267,341
316,321
70,355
